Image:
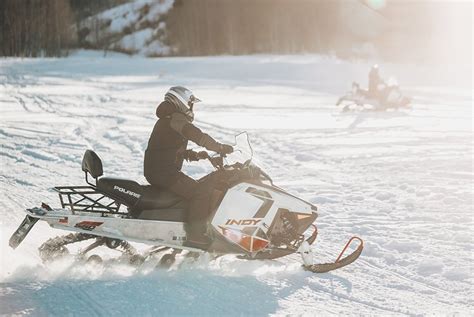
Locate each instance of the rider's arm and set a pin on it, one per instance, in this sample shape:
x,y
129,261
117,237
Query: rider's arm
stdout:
x,y
181,124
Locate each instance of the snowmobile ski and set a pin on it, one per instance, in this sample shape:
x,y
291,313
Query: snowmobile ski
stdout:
x,y
340,261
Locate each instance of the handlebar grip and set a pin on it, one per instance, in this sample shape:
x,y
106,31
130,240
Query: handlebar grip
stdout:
x,y
217,162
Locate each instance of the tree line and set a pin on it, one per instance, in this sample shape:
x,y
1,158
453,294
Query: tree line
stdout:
x,y
31,28
35,27
410,30
207,27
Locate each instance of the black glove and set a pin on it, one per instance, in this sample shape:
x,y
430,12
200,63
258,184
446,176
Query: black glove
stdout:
x,y
202,155
191,156
225,149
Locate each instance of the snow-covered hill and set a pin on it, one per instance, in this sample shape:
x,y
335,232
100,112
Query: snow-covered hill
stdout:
x,y
402,180
134,27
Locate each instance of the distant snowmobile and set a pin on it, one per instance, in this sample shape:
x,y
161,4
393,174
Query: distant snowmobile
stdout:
x,y
250,217
388,96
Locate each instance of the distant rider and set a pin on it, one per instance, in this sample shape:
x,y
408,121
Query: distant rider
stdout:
x,y
166,151
376,84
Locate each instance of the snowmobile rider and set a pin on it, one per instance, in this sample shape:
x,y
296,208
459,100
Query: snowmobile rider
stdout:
x,y
375,81
166,151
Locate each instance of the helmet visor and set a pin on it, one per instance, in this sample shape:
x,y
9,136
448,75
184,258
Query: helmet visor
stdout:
x,y
192,100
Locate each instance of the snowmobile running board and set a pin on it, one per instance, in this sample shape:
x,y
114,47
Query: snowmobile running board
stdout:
x,y
340,261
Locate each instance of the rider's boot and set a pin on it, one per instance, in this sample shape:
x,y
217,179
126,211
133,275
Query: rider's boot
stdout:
x,y
196,236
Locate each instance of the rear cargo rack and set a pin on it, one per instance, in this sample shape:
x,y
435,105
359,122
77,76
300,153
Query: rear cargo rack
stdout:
x,y
87,199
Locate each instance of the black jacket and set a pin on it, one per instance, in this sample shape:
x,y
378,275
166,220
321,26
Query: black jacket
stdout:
x,y
167,143
374,81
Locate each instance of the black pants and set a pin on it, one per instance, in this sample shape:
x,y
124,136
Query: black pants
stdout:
x,y
199,197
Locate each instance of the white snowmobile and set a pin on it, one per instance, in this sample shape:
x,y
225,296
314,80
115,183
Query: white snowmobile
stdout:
x,y
389,96
249,216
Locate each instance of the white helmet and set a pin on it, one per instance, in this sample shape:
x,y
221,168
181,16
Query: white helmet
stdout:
x,y
183,99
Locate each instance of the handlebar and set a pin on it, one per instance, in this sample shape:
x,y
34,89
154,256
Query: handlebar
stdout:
x,y
217,161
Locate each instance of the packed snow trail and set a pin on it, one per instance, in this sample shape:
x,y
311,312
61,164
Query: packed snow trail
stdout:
x,y
402,180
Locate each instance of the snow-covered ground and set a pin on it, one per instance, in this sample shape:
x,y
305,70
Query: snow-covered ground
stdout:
x,y
401,180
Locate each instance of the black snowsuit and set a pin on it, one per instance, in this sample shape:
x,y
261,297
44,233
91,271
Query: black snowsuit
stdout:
x,y
164,159
374,81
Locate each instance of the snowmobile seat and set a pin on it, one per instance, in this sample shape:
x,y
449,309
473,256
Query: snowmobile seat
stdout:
x,y
139,197
92,164
125,191
157,198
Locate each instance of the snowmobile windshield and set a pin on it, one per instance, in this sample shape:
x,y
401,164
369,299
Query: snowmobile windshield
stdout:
x,y
243,152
